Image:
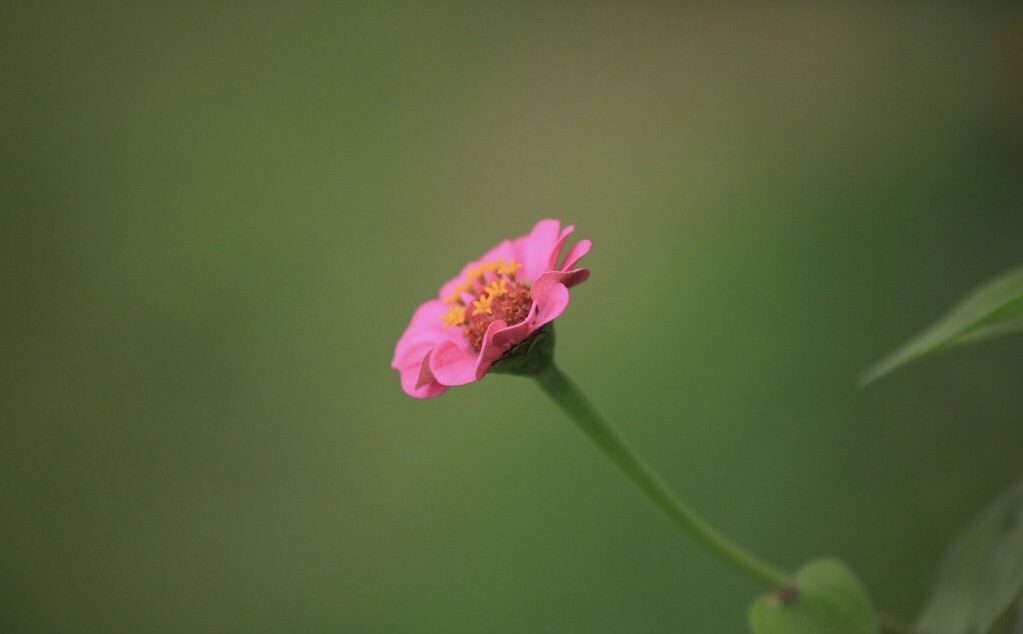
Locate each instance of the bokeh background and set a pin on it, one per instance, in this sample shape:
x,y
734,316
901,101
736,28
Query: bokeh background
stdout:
x,y
217,219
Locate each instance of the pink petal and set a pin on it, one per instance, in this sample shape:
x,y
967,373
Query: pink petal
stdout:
x,y
556,249
426,325
414,349
496,342
568,278
410,354
507,337
577,251
551,297
430,390
536,248
427,316
451,365
413,380
425,376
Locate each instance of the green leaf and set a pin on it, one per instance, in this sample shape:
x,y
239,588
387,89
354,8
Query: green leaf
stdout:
x,y
993,310
982,576
826,598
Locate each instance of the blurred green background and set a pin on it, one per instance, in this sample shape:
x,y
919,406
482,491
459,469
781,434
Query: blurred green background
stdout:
x,y
218,218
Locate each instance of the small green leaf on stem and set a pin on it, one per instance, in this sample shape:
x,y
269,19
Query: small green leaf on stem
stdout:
x,y
982,576
992,310
826,598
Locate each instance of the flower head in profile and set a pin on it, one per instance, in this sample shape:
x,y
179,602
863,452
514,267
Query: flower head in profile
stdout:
x,y
495,304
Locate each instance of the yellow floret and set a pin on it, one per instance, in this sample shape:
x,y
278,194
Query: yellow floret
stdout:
x,y
482,306
508,269
497,288
455,316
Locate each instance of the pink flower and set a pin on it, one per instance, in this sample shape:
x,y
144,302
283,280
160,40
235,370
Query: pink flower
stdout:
x,y
495,303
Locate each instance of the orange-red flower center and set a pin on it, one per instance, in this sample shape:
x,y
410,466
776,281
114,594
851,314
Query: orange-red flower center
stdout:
x,y
489,292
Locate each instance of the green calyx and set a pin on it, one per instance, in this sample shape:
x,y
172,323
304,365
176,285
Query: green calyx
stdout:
x,y
530,356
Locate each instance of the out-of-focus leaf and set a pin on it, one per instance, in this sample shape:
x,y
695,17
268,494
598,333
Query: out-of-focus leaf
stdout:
x,y
982,577
995,330
993,310
825,598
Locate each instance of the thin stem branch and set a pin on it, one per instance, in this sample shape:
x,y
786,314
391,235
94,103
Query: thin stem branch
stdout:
x,y
561,389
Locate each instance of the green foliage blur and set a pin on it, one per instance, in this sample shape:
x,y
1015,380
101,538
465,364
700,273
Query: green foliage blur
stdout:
x,y
217,219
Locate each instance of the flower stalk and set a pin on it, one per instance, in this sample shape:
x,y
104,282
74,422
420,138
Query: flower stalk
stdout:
x,y
572,401
497,316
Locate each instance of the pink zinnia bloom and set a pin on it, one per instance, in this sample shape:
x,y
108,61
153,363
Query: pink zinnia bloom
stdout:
x,y
495,303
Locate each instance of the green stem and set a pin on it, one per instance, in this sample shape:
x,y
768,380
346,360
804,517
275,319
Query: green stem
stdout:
x,y
560,388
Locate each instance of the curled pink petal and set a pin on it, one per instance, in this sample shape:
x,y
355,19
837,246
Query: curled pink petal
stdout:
x,y
568,278
494,304
551,297
508,336
497,340
552,264
425,373
575,253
